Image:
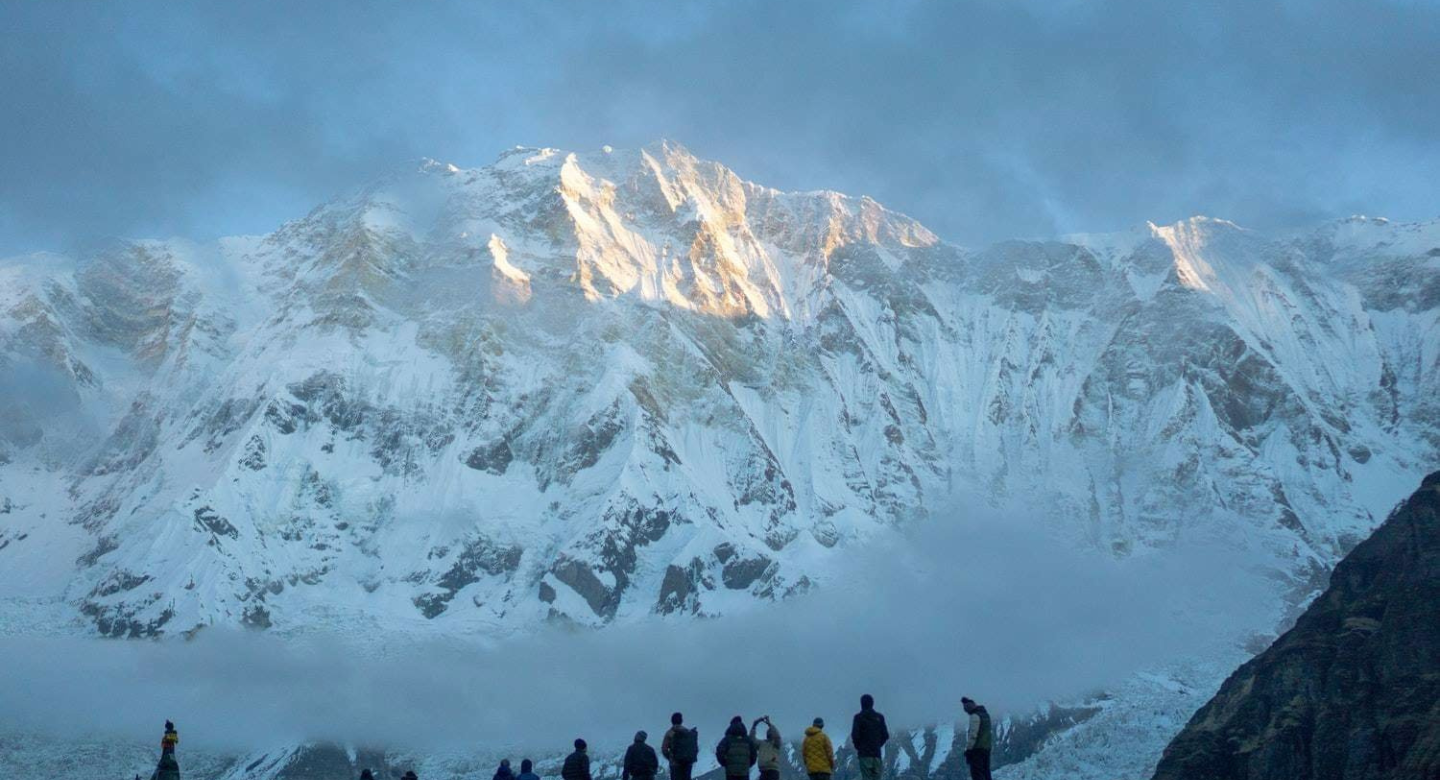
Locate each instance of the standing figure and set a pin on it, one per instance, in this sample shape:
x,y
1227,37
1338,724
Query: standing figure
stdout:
x,y
980,740
736,752
681,747
577,764
818,752
868,735
527,770
767,750
640,763
168,768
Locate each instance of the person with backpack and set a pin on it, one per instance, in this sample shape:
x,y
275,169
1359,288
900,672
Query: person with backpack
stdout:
x,y
979,740
818,752
577,764
640,760
527,770
868,735
736,751
767,750
681,747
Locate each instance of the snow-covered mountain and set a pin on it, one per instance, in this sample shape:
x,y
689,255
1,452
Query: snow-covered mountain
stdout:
x,y
597,388
594,387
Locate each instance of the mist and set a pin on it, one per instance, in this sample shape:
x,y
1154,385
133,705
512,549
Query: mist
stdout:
x,y
980,604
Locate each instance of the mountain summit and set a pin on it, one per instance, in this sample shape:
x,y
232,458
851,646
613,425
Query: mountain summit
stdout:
x,y
593,387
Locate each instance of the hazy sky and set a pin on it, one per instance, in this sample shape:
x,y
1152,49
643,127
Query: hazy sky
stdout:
x,y
983,119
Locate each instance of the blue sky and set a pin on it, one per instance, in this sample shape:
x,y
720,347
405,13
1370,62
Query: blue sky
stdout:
x,y
985,120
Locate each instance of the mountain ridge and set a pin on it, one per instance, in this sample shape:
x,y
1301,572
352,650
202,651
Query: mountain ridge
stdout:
x,y
599,388
1013,354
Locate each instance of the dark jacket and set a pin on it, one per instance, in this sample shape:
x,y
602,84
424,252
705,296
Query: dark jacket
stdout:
x,y
527,776
868,733
640,762
736,751
504,773
577,766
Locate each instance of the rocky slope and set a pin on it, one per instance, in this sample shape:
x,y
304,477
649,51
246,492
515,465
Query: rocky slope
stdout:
x,y
1353,690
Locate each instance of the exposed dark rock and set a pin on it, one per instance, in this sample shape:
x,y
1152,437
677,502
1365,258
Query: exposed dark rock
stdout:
x,y
480,555
254,457
679,591
282,415
724,552
491,458
119,582
739,573
209,520
105,544
122,621
1353,690
257,617
582,579
226,418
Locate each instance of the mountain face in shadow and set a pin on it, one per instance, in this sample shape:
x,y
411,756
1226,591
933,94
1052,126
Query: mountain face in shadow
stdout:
x,y
1353,690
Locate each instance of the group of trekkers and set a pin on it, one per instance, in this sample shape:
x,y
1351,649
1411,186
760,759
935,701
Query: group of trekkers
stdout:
x,y
738,751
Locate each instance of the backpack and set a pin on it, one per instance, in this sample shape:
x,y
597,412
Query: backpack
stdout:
x,y
686,746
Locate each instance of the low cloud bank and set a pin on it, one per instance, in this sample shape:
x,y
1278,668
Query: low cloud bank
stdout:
x,y
994,609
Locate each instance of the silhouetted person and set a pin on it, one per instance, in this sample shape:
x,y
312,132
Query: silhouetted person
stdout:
x,y
767,750
868,734
736,751
980,739
168,768
818,752
641,763
527,772
577,764
504,772
681,747
366,774
409,775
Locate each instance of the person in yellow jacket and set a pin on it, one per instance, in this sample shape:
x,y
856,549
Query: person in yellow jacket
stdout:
x,y
818,752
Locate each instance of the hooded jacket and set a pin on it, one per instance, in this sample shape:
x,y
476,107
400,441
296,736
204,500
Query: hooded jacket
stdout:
x,y
736,751
818,752
767,753
868,733
640,760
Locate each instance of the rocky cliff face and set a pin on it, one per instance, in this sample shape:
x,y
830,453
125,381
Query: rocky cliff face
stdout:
x,y
1353,690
